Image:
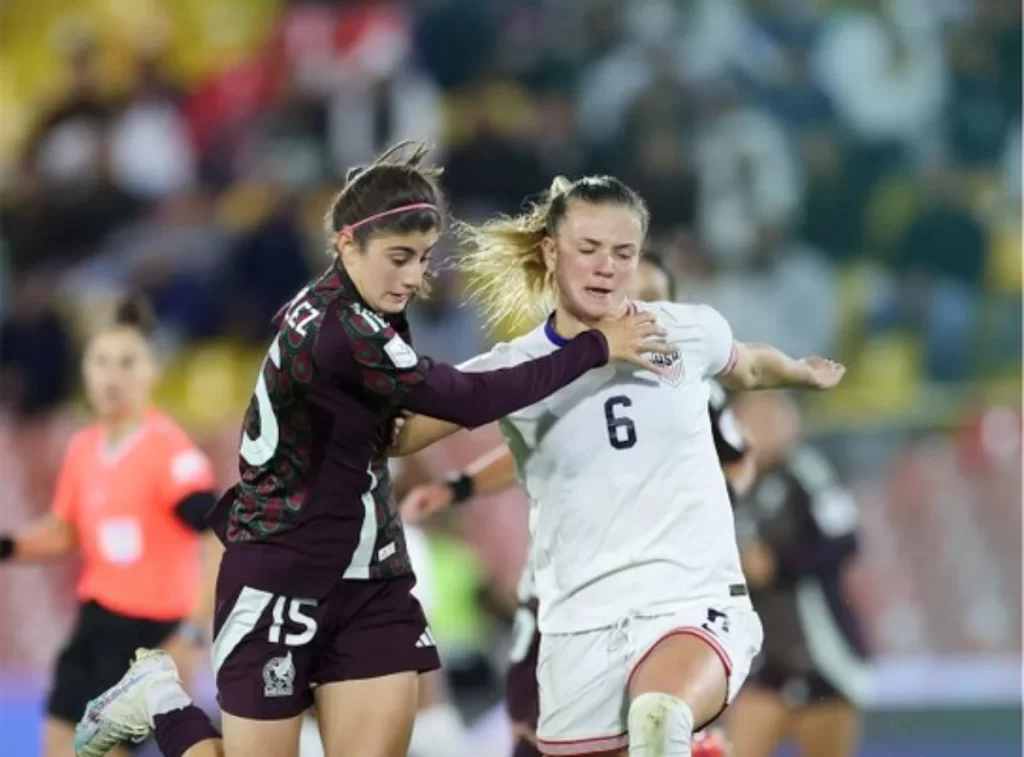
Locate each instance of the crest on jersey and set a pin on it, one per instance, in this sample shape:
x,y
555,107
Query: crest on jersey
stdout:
x,y
401,354
279,677
671,365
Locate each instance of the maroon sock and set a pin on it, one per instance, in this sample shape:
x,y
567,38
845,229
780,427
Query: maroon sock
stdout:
x,y
178,731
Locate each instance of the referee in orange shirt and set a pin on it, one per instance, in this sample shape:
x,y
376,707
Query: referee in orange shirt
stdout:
x,y
132,496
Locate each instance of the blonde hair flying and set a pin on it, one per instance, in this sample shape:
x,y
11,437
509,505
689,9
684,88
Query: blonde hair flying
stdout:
x,y
503,259
504,263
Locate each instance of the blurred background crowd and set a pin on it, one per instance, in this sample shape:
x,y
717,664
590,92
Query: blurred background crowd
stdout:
x,y
836,176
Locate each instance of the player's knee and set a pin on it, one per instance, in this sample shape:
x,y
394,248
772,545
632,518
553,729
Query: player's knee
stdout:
x,y
659,724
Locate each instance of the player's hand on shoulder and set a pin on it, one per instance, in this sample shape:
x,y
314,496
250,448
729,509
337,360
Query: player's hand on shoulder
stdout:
x,y
424,501
634,338
823,373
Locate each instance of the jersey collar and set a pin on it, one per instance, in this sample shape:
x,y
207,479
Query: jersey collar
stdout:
x,y
560,341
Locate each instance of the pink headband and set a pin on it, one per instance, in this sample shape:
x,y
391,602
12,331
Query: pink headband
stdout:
x,y
394,211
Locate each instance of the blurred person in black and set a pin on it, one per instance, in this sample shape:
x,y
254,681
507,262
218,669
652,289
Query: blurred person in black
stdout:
x,y
65,201
312,527
797,532
35,349
940,264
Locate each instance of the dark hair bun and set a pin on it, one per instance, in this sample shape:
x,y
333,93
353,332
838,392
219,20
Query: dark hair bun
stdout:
x,y
134,312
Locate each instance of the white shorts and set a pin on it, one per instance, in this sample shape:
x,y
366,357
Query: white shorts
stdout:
x,y
583,678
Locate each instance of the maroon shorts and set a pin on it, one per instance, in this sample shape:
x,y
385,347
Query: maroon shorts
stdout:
x,y
270,651
521,695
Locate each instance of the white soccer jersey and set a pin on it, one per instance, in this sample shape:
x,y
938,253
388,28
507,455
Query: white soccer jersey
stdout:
x,y
629,510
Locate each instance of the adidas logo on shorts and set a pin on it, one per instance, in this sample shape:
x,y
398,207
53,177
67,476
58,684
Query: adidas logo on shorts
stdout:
x,y
425,640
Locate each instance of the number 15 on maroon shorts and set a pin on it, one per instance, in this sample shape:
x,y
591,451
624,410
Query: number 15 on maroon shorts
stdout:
x,y
270,651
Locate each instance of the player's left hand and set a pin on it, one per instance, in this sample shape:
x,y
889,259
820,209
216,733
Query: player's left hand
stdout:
x,y
823,373
424,501
758,563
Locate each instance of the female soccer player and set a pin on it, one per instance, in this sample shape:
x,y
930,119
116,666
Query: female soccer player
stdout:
x,y
801,532
314,588
132,498
647,630
495,472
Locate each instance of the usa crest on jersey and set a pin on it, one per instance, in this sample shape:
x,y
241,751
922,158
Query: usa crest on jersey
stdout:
x,y
671,365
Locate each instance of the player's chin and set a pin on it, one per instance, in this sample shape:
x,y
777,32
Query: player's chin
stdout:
x,y
394,303
596,306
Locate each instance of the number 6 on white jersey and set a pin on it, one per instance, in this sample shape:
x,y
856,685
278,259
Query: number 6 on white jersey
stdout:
x,y
258,451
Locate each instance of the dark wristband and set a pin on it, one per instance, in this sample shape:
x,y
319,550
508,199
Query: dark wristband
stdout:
x,y
6,547
462,487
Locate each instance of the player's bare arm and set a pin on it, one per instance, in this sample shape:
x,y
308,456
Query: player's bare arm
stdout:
x,y
761,366
47,539
491,473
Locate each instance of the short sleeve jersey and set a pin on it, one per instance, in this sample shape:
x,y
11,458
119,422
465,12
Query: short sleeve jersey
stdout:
x,y
139,558
629,509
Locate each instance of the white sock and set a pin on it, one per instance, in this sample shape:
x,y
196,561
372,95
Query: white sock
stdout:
x,y
165,696
439,732
660,725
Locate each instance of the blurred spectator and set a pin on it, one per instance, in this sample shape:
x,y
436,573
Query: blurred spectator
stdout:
x,y
881,62
659,169
830,220
287,142
771,301
65,201
367,117
499,122
376,94
455,39
559,148
780,69
35,349
715,38
67,145
978,115
443,326
151,153
618,70
940,263
267,267
749,178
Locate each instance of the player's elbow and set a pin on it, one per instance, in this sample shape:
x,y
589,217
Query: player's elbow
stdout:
x,y
745,375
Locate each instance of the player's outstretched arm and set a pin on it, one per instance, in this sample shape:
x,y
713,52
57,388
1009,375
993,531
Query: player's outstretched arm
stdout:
x,y
490,473
761,366
48,539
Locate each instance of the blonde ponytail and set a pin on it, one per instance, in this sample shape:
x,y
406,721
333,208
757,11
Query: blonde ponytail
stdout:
x,y
504,263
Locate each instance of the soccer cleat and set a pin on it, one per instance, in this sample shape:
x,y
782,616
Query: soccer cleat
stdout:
x,y
119,714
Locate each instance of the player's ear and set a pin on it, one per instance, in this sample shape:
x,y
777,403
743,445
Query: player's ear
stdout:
x,y
549,251
345,245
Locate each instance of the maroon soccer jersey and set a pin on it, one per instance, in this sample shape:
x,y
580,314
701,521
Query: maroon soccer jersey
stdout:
x,y
314,502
